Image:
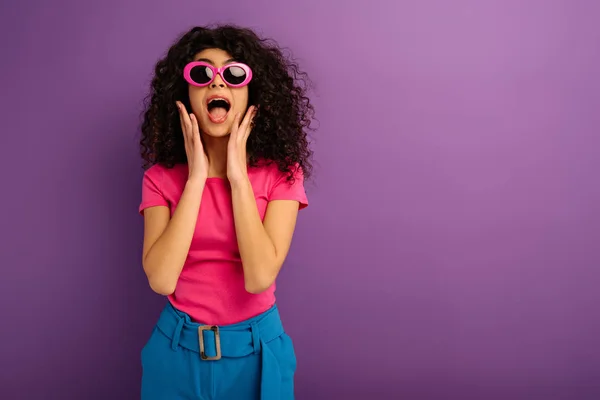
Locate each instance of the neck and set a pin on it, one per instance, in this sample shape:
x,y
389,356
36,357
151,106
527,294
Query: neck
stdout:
x,y
216,152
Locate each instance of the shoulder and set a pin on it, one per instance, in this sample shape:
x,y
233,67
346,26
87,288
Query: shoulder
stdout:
x,y
280,185
162,173
165,180
161,185
154,173
161,170
270,171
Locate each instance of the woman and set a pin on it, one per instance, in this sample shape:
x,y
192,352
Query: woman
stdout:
x,y
224,139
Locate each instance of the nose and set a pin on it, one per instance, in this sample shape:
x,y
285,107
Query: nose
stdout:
x,y
218,82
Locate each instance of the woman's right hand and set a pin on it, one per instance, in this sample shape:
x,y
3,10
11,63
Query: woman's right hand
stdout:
x,y
196,157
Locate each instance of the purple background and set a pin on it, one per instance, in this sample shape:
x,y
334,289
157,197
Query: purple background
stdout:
x,y
452,245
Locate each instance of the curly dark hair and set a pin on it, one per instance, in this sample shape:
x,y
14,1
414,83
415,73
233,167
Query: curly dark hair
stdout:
x,y
278,87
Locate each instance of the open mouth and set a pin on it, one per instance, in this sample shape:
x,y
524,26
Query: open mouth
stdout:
x,y
218,108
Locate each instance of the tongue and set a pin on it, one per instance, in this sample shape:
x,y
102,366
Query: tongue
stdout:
x,y
218,112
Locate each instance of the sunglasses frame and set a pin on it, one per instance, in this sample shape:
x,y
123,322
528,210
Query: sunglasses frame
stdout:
x,y
216,71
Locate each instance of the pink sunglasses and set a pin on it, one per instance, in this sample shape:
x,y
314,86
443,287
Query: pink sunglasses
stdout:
x,y
199,73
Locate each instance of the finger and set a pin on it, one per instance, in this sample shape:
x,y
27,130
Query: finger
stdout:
x,y
185,125
185,119
248,123
180,111
195,139
251,125
236,125
180,108
195,129
248,117
243,128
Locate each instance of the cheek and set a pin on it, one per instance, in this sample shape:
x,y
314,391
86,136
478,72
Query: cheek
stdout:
x,y
241,99
196,96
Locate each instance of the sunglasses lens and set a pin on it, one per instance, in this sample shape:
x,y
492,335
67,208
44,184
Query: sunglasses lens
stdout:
x,y
234,75
201,74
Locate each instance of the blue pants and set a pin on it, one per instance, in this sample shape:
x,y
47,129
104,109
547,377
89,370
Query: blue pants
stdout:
x,y
251,360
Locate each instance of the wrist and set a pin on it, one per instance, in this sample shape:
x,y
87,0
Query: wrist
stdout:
x,y
196,183
240,183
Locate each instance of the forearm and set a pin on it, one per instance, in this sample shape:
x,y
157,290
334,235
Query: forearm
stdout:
x,y
258,254
165,259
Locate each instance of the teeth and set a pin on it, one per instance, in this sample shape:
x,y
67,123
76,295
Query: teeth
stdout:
x,y
218,98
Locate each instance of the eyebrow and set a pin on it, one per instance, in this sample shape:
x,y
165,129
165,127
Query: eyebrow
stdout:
x,y
208,60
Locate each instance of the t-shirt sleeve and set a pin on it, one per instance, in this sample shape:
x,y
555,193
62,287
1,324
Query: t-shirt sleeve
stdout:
x,y
290,190
152,194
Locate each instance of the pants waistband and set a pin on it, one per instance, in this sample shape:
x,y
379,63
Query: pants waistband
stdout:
x,y
237,340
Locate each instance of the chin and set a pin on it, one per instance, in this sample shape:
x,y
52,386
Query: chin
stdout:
x,y
217,131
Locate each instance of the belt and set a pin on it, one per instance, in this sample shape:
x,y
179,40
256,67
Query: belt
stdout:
x,y
213,342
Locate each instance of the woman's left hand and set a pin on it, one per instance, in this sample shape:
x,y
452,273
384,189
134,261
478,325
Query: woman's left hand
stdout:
x,y
237,171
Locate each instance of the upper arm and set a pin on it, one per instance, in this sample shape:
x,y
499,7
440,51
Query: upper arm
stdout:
x,y
154,207
156,219
285,200
280,223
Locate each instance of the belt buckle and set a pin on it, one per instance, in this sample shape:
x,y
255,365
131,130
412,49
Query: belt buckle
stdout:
x,y
215,330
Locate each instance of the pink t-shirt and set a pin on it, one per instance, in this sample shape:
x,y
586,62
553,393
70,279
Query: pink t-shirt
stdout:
x,y
211,285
